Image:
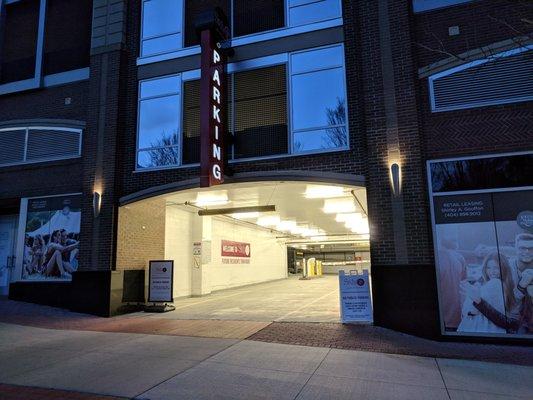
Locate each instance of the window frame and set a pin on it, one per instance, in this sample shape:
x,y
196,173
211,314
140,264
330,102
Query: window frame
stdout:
x,y
39,80
290,74
27,128
241,66
277,33
180,128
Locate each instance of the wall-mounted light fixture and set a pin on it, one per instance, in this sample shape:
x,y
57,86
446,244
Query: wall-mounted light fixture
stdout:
x,y
396,178
97,203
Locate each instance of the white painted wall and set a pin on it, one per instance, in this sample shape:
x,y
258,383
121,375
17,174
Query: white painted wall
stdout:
x,y
268,260
178,247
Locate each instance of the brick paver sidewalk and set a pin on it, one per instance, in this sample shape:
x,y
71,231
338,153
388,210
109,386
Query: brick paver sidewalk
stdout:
x,y
382,340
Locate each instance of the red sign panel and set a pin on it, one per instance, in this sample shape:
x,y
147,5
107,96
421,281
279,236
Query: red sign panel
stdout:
x,y
213,102
234,249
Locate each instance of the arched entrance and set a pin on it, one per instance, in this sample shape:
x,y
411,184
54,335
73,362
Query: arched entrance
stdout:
x,y
262,248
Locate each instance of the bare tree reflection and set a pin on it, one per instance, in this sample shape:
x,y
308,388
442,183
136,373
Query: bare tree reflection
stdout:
x,y
165,151
336,135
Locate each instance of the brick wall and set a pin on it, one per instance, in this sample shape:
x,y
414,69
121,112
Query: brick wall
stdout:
x,y
47,178
141,234
491,129
480,23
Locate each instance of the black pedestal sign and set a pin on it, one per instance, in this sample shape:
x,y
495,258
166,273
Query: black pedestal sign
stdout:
x,y
213,30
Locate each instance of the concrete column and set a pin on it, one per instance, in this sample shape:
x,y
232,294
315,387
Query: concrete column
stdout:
x,y
202,228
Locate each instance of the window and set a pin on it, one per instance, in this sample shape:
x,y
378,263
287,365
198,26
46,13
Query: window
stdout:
x,y
19,41
501,79
427,5
161,28
318,100
194,8
259,116
67,38
168,25
159,122
20,145
308,11
44,38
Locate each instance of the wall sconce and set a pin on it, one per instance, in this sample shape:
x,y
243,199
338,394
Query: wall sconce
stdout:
x,y
395,178
97,203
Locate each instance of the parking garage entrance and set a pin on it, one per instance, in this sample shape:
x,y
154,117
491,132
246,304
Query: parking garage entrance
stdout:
x,y
260,251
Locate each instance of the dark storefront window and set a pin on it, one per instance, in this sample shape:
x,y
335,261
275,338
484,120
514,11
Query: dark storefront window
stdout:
x,y
19,45
67,35
482,173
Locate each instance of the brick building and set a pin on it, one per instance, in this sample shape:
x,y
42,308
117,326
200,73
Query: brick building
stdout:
x,y
396,105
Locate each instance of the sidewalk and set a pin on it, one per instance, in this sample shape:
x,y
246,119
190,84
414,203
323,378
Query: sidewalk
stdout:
x,y
142,366
329,335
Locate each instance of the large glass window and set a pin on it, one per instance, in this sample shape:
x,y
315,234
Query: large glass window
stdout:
x,y
67,39
168,25
161,27
19,45
312,82
44,37
308,11
159,122
260,116
318,96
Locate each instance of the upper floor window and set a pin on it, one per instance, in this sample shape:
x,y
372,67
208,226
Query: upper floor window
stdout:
x,y
168,25
41,38
427,5
29,144
281,105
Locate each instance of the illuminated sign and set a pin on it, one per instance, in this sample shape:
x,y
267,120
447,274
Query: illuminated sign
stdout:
x,y
213,106
229,248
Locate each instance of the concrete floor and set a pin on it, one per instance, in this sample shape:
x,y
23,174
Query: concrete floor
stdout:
x,y
314,300
177,367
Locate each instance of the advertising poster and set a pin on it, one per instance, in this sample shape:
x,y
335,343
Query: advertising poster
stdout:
x,y
51,240
160,281
484,261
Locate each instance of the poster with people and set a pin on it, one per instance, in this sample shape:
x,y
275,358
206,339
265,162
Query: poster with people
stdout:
x,y
484,262
51,240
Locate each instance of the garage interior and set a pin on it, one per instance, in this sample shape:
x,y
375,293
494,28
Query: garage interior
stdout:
x,y
292,237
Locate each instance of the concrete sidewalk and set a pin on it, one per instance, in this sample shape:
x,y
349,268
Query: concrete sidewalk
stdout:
x,y
178,367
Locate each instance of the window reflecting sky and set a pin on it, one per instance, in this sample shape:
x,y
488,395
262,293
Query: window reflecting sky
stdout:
x,y
159,121
313,94
318,11
161,17
161,86
317,59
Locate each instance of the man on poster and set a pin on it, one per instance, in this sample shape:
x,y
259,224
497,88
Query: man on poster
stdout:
x,y
519,317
